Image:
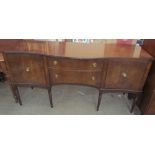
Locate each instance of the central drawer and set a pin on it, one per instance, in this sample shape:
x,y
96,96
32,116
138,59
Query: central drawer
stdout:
x,y
75,77
76,64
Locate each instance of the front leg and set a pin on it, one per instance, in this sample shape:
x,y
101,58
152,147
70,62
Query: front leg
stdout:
x,y
13,89
131,96
99,100
136,101
50,97
18,95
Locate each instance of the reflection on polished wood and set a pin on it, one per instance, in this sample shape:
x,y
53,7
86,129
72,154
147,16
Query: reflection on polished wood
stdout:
x,y
76,50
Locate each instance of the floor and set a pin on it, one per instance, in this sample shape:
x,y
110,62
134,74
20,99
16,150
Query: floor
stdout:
x,y
67,99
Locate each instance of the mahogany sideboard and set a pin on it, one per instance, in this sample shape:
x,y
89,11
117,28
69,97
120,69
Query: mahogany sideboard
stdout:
x,y
45,63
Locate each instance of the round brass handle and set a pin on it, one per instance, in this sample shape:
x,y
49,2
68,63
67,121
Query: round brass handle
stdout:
x,y
27,69
56,76
94,64
124,74
93,78
55,62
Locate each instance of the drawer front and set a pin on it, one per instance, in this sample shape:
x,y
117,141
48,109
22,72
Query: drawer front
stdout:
x,y
127,74
26,69
76,64
75,77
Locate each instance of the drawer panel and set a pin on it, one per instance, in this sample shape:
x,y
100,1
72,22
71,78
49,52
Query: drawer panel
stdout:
x,y
75,77
76,64
127,74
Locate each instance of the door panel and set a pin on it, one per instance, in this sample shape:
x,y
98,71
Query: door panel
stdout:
x,y
26,68
126,74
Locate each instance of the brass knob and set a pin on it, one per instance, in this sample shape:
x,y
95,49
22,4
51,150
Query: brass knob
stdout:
x,y
27,69
55,62
93,78
124,74
56,76
94,64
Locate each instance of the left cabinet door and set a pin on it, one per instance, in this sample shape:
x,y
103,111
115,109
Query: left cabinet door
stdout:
x,y
26,68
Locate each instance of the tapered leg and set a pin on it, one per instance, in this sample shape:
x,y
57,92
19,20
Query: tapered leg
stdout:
x,y
140,97
13,89
50,97
99,100
136,101
18,95
133,105
131,96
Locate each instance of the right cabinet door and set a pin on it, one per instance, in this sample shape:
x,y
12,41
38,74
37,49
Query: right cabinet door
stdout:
x,y
127,74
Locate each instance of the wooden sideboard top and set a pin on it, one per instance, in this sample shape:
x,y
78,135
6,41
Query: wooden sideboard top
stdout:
x,y
73,50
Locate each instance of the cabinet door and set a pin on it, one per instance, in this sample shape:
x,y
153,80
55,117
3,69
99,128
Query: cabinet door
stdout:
x,y
128,74
26,68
